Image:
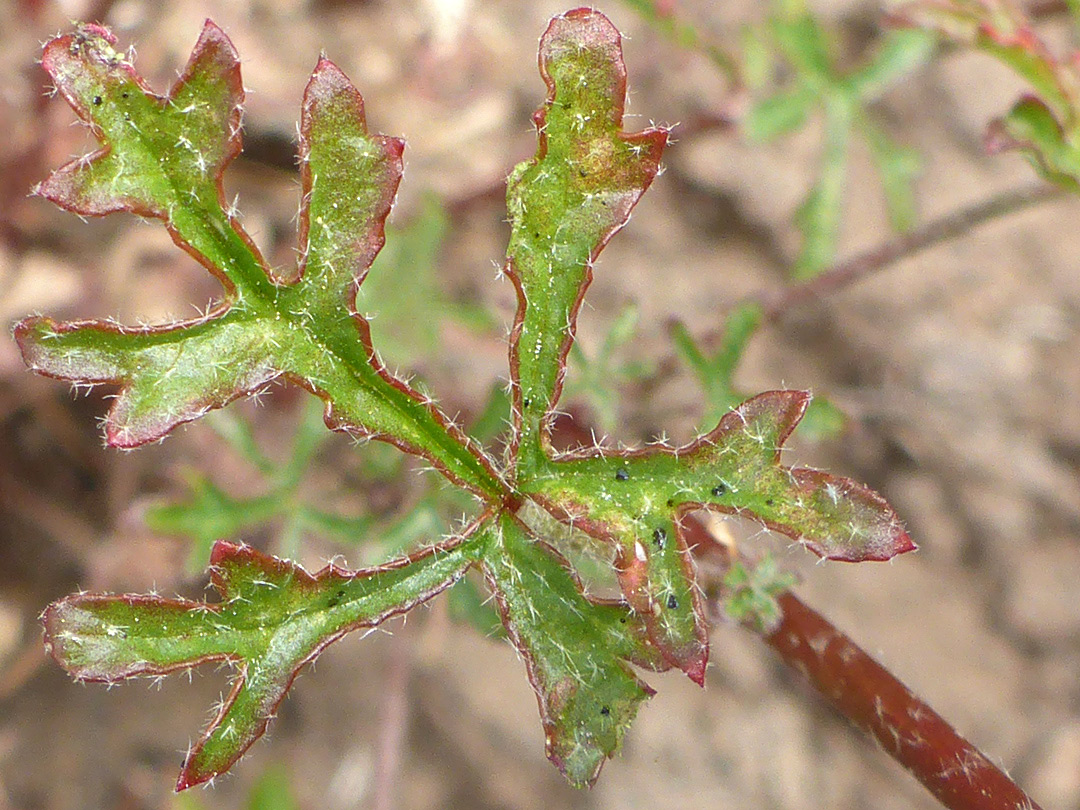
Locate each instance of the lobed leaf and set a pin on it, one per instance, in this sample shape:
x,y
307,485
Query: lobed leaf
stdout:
x,y
210,513
273,619
634,500
564,206
587,693
163,158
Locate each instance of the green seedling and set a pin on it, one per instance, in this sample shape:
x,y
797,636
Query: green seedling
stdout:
x,y
163,158
843,99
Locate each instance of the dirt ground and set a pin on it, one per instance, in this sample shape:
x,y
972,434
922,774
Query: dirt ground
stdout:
x,y
959,368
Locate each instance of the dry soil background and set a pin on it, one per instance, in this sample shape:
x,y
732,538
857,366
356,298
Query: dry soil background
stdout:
x,y
959,368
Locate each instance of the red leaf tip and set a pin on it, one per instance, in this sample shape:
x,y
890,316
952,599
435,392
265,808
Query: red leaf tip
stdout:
x,y
580,28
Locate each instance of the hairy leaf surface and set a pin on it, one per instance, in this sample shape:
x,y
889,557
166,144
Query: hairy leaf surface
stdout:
x,y
635,500
273,619
587,694
163,157
565,204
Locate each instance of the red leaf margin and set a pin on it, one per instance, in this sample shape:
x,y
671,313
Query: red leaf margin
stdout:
x,y
598,31
224,551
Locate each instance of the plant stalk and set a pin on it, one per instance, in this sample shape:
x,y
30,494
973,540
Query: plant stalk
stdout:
x,y
873,699
907,244
876,702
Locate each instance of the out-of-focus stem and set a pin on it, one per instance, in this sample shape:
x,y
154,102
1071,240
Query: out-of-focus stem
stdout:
x,y
908,244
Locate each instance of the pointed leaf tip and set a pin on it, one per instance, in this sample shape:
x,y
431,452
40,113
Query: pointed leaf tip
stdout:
x,y
785,408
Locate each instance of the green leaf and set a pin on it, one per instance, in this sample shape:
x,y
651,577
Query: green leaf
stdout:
x,y
273,791
595,380
778,115
619,516
406,317
897,55
495,416
822,420
1031,127
210,514
273,619
565,204
757,58
752,593
587,693
716,374
470,604
662,18
804,44
1001,30
818,218
163,157
623,497
1028,55
897,167
237,432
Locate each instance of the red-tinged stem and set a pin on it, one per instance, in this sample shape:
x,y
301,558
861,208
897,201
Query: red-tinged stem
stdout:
x,y
908,244
871,697
916,736
393,726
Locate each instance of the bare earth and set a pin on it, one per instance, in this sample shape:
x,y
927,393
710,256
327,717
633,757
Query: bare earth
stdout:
x,y
959,369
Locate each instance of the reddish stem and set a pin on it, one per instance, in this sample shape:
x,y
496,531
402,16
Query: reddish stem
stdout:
x,y
871,697
916,736
907,244
393,726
